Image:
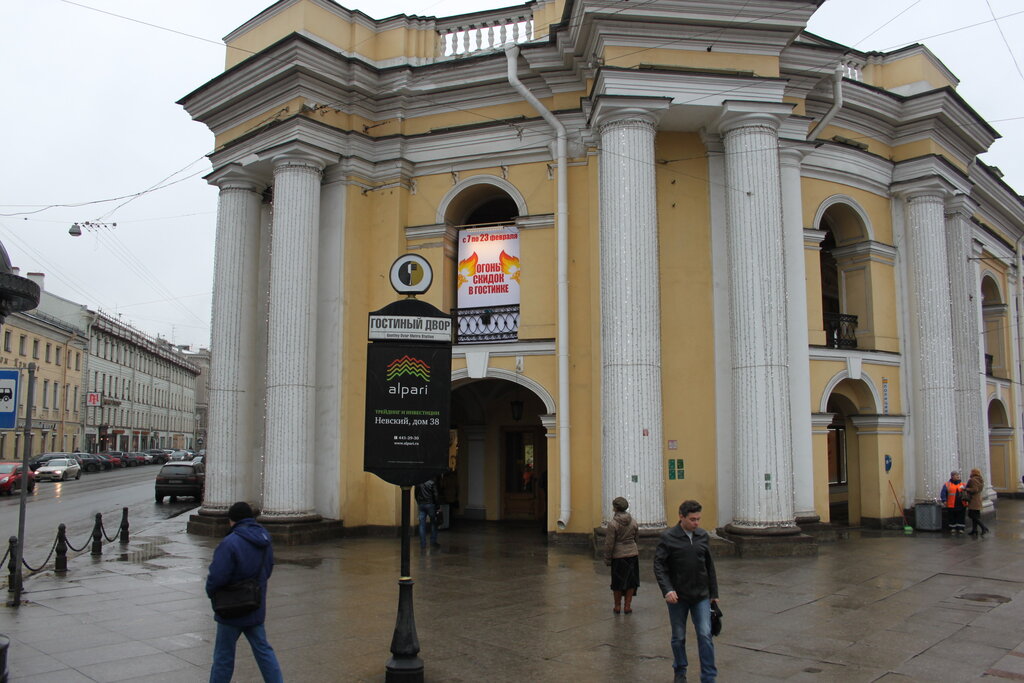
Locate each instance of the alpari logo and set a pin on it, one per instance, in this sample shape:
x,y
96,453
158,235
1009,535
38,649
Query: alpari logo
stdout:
x,y
407,366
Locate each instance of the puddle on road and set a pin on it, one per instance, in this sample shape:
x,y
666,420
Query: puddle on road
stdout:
x,y
145,551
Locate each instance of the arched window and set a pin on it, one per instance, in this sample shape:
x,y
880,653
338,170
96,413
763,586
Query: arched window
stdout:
x,y
994,312
851,263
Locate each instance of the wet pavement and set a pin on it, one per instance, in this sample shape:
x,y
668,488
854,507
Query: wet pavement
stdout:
x,y
497,603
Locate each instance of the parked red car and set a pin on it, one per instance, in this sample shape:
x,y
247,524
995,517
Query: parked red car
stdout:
x,y
10,478
114,457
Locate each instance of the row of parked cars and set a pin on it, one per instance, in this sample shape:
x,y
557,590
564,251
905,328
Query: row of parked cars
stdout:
x,y
65,466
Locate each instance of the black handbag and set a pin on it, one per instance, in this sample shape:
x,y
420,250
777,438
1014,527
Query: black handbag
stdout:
x,y
716,619
240,598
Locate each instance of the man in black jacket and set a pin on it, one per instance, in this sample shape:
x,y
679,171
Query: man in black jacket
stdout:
x,y
427,500
686,574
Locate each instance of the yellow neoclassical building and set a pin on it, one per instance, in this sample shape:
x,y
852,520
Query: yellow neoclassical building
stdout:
x,y
691,251
58,350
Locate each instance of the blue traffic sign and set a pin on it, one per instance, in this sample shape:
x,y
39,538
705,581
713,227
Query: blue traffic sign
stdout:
x,y
9,398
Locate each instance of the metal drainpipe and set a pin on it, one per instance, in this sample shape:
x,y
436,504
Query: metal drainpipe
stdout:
x,y
837,102
562,227
1019,486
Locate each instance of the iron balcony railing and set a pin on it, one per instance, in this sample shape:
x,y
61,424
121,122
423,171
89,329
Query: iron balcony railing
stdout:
x,y
841,330
488,324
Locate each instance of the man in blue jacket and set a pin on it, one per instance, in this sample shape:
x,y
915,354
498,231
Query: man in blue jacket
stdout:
x,y
686,574
244,553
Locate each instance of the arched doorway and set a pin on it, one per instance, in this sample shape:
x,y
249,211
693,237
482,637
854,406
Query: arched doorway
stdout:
x,y
853,453
500,469
1000,446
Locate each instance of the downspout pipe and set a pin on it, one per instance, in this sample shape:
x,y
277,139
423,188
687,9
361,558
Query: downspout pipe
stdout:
x,y
562,231
837,102
1019,262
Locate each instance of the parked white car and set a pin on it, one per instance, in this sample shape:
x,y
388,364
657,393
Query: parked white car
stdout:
x,y
59,469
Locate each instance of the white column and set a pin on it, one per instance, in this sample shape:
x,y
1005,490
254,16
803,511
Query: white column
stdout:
x,y
968,367
235,319
762,443
288,485
931,331
799,361
630,319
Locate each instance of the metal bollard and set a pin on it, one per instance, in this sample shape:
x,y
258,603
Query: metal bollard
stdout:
x,y
62,550
97,536
12,565
124,526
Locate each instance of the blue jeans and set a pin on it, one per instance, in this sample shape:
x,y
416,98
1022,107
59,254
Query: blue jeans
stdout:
x,y
224,653
428,510
701,612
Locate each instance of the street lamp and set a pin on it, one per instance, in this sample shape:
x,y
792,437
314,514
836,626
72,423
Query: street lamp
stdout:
x,y
89,226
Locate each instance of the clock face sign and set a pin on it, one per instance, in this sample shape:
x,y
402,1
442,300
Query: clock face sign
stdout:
x,y
411,274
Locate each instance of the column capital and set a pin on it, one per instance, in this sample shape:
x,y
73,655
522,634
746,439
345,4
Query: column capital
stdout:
x,y
933,187
792,154
928,176
738,114
610,110
960,205
237,177
299,154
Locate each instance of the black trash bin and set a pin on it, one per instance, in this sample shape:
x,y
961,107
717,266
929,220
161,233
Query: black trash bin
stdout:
x,y
928,517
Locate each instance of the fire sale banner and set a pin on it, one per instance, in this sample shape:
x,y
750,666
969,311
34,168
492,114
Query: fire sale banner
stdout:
x,y
488,267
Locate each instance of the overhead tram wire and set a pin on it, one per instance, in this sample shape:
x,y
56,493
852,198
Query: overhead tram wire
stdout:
x,y
119,249
1002,35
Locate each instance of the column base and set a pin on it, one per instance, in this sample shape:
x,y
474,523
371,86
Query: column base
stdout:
x,y
807,518
790,543
283,531
302,531
212,524
745,530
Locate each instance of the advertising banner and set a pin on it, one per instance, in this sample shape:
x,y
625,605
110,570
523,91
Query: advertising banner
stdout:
x,y
489,269
408,397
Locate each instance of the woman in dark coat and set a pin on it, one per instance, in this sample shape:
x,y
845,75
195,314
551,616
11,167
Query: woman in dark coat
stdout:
x,y
975,488
622,555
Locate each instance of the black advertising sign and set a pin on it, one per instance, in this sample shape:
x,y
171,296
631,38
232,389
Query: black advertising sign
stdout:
x,y
408,382
408,403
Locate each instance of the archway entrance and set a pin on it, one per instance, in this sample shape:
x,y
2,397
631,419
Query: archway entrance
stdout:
x,y
855,456
500,469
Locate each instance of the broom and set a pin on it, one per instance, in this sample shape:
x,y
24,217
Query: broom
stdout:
x,y
907,529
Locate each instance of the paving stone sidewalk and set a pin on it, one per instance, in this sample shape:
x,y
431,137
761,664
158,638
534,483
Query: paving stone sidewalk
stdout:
x,y
498,603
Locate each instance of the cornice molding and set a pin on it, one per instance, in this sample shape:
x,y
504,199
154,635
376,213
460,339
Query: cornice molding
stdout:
x,y
875,251
848,166
883,423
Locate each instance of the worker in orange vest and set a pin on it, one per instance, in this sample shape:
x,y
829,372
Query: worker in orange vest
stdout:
x,y
952,499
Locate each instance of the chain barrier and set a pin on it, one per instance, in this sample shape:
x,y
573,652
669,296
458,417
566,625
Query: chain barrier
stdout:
x,y
61,545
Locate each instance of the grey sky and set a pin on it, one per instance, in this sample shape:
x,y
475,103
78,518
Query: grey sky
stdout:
x,y
90,116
